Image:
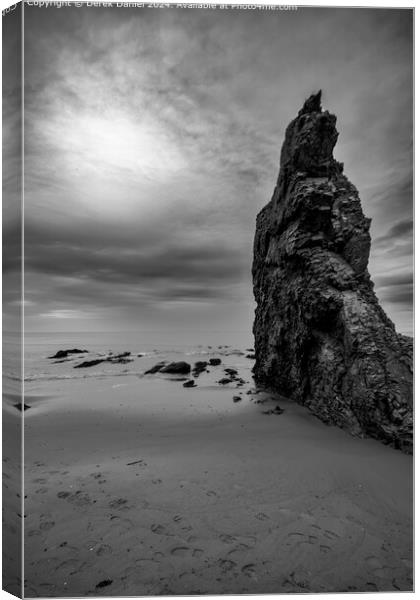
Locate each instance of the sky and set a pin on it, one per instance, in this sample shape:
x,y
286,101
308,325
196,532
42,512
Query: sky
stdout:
x,y
152,140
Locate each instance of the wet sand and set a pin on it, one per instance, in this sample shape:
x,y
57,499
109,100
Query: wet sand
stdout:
x,y
138,486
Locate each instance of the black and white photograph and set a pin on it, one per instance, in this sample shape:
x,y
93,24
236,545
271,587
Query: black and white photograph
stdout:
x,y
207,299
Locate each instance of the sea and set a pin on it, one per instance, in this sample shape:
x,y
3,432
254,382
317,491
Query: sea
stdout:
x,y
145,347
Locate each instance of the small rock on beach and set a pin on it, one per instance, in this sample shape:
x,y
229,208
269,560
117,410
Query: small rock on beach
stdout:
x,y
65,353
189,384
215,361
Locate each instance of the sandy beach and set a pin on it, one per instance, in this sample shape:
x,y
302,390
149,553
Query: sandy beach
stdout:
x,y
138,486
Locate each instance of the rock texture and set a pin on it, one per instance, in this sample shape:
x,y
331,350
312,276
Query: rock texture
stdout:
x,y
321,337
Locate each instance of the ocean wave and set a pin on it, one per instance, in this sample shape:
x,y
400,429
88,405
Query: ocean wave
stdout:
x,y
12,376
90,375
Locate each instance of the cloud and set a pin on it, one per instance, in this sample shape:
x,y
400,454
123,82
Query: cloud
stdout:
x,y
185,263
398,295
395,280
67,314
153,140
403,229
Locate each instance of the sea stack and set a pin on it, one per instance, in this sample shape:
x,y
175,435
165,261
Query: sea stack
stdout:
x,y
321,337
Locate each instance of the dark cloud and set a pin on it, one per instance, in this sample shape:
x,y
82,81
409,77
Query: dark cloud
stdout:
x,y
395,280
398,294
403,229
200,263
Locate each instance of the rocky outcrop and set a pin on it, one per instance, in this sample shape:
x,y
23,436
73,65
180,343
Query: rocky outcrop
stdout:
x,y
113,358
321,337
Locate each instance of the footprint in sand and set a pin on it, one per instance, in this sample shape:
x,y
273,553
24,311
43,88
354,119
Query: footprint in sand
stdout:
x,y
325,549
249,571
71,566
371,587
41,491
156,481
96,475
46,525
63,494
239,551
262,516
296,580
103,549
227,539
180,551
395,585
197,552
33,532
296,535
177,518
330,534
211,493
160,530
120,523
40,480
118,503
78,498
226,565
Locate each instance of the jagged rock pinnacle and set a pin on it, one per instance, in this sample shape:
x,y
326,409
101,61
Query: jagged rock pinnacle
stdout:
x,y
312,104
321,337
309,143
